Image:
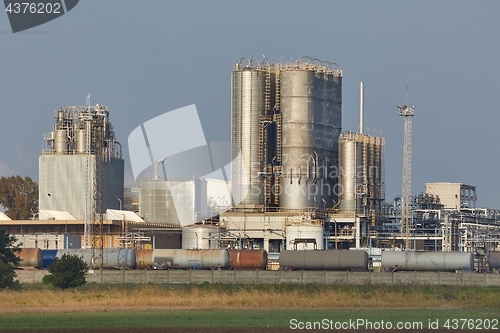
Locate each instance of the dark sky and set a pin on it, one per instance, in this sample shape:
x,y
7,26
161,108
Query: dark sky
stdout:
x,y
144,58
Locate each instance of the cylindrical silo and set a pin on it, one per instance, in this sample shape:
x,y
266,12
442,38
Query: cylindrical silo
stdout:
x,y
299,159
61,142
304,237
201,237
81,141
247,109
351,172
311,101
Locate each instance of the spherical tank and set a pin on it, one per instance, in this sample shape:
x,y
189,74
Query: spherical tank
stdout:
x,y
427,261
143,259
304,231
112,258
247,259
48,257
494,260
200,237
248,106
352,260
30,258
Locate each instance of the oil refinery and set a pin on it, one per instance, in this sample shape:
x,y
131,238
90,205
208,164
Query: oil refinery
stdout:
x,y
311,196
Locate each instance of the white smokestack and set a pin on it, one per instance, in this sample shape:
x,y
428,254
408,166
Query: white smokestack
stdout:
x,y
361,107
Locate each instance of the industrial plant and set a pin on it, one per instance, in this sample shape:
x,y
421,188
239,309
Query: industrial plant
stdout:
x,y
303,194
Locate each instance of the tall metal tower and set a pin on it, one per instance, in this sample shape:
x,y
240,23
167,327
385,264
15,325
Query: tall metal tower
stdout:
x,y
407,113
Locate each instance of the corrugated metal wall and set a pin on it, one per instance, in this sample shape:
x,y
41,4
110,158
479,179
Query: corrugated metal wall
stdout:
x,y
63,183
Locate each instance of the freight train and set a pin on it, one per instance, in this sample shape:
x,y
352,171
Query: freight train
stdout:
x,y
337,260
122,258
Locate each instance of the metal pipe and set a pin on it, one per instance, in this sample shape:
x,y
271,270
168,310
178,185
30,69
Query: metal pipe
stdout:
x,y
158,161
361,106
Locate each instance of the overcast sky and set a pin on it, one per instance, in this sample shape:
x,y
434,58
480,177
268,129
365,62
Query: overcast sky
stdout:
x,y
144,58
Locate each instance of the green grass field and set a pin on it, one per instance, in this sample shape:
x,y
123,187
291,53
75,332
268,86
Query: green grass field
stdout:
x,y
232,318
42,307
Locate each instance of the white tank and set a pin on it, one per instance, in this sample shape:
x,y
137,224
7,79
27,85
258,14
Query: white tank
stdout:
x,y
61,142
81,141
301,236
200,237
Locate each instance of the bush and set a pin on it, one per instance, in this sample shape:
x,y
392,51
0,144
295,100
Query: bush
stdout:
x,y
67,272
7,276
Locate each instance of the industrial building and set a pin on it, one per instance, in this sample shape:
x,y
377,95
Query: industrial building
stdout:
x,y
298,181
453,195
67,179
309,185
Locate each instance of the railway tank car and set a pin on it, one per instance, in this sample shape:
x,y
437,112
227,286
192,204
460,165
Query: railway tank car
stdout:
x,y
427,261
30,258
337,260
494,260
247,259
113,258
190,259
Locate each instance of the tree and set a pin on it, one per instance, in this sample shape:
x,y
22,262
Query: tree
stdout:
x,y
67,272
19,197
8,260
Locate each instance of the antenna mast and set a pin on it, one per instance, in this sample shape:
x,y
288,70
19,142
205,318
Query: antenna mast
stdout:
x,y
407,113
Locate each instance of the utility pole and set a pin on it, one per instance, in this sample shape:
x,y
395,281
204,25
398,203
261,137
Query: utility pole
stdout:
x,y
407,113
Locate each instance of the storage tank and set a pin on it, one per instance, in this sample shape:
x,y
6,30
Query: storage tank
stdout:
x,y
201,237
247,259
81,141
112,258
299,237
494,260
247,109
143,259
48,257
311,103
61,142
30,257
191,259
361,172
337,260
351,173
427,261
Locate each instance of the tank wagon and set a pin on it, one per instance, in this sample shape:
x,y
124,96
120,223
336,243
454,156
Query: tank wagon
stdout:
x,y
113,258
190,259
30,258
48,258
247,259
335,260
427,261
494,260
339,260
